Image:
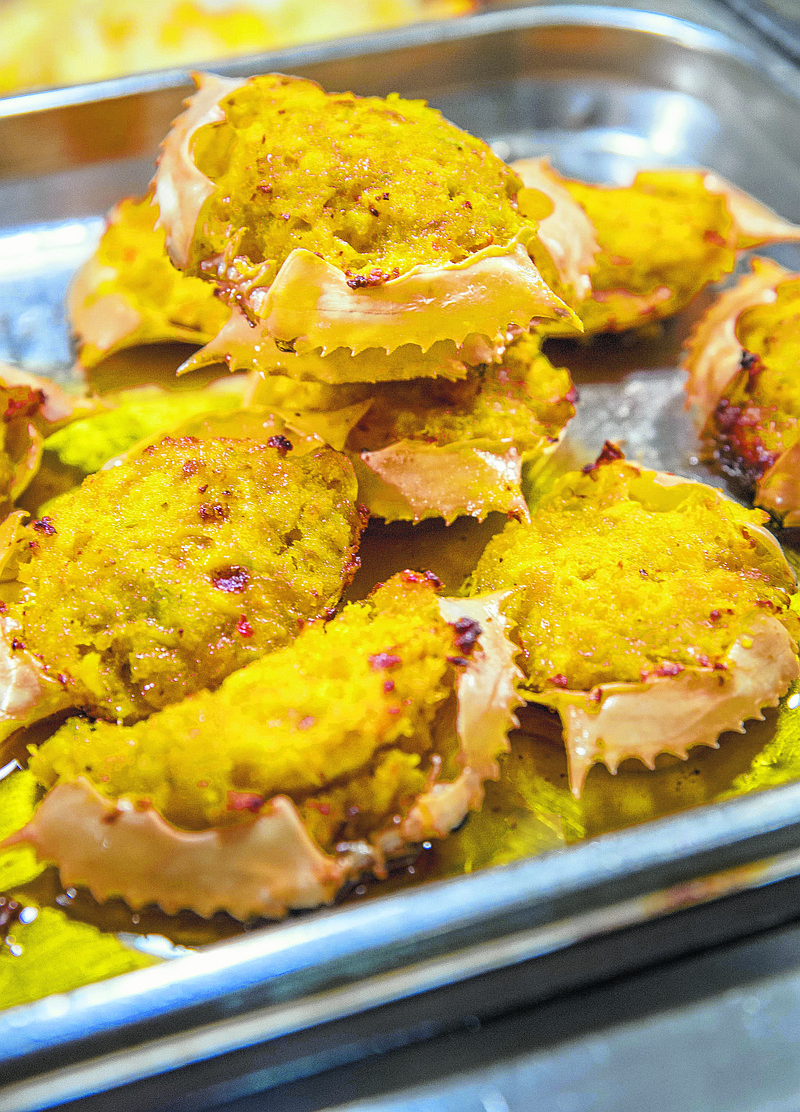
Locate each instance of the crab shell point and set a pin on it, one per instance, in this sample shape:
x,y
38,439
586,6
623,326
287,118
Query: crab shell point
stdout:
x,y
181,189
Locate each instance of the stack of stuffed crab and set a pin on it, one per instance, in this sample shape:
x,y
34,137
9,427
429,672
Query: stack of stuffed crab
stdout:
x,y
220,731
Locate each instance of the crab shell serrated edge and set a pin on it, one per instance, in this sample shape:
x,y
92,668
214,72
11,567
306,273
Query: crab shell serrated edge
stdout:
x,y
271,865
411,480
310,305
670,714
241,345
713,349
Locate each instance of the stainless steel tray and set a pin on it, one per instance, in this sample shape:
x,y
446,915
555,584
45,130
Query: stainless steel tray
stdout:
x,y
604,90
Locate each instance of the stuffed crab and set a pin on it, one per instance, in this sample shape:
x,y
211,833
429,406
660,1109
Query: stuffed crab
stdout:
x,y
129,293
160,576
440,449
303,771
652,612
333,222
625,255
743,386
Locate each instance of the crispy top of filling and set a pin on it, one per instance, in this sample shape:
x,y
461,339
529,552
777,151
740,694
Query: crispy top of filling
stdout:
x,y
759,416
374,186
343,720
622,579
159,577
686,229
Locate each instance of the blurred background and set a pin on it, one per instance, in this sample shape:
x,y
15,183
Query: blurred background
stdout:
x,y
67,42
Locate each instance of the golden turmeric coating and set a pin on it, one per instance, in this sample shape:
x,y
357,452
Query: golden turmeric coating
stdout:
x,y
161,576
129,293
373,186
622,577
343,721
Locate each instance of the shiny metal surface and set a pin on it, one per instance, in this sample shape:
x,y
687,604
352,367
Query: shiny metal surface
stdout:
x,y
605,91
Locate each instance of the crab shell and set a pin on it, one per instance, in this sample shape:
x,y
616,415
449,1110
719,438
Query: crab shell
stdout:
x,y
113,321
26,429
27,693
671,714
752,224
242,345
411,480
567,233
713,349
310,305
714,360
271,865
755,225
778,491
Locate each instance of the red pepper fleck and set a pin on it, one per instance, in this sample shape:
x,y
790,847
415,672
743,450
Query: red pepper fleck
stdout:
x,y
559,680
44,525
23,401
245,801
459,661
710,236
668,668
280,443
233,580
202,489
243,627
323,808
379,661
388,685
421,577
467,633
572,396
214,511
307,722
609,454
190,467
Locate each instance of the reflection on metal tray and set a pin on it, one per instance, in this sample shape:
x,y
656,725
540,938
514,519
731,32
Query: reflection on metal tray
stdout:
x,y
778,20
604,91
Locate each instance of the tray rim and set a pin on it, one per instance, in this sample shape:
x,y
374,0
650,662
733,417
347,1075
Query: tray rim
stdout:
x,y
683,31
762,831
